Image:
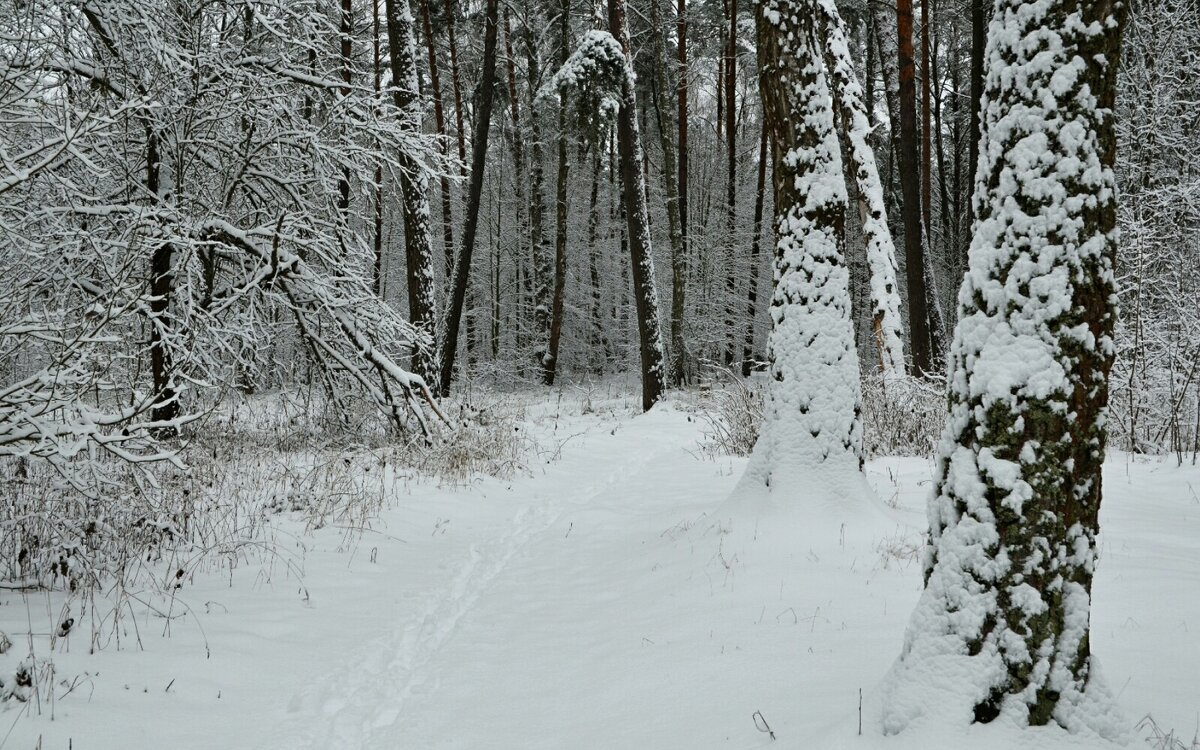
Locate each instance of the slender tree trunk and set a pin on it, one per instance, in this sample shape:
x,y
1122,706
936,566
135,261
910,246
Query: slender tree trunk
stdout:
x,y
880,249
378,86
599,340
479,144
914,251
439,121
637,221
537,205
414,189
755,249
550,363
926,126
979,16
665,120
456,80
679,262
731,183
520,182
347,37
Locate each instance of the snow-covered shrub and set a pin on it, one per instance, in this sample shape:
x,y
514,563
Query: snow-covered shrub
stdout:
x,y
482,439
902,416
732,412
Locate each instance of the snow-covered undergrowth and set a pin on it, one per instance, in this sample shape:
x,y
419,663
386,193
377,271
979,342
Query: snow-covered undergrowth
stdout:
x,y
262,472
900,417
605,595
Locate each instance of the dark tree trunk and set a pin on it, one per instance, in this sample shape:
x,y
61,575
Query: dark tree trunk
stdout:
x,y
479,144
755,249
414,190
679,262
731,184
637,223
550,362
910,186
439,122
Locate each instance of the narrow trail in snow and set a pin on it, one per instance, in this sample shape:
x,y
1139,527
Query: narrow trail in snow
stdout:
x,y
358,706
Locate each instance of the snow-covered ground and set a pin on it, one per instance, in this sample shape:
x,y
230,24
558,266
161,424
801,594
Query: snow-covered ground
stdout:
x,y
609,600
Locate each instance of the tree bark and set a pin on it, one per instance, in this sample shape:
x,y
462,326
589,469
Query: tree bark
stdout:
x,y
755,250
550,362
479,144
811,416
439,122
637,221
679,262
1014,517
414,189
731,183
914,251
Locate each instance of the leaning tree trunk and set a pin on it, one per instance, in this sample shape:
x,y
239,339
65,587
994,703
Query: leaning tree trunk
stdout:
x,y
637,221
811,420
414,189
881,251
1002,626
479,144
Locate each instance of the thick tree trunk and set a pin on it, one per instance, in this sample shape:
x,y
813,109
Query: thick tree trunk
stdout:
x,y
811,431
1002,628
637,221
914,250
414,190
479,144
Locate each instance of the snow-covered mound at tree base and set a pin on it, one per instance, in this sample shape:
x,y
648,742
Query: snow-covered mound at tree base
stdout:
x,y
600,604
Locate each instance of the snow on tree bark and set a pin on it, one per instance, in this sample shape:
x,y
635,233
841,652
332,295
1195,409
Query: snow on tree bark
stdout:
x,y
637,219
811,418
414,188
881,250
1001,630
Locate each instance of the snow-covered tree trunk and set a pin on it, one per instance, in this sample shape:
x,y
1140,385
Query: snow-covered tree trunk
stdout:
x,y
811,419
637,220
414,188
1001,630
881,250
